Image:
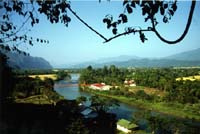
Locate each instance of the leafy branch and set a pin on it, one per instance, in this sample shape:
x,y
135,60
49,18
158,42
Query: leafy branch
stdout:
x,y
149,9
185,31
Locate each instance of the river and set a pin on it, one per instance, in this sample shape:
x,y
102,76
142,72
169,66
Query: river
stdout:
x,y
70,91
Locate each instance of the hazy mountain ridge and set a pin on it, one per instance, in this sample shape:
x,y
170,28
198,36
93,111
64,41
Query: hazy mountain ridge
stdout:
x,y
116,59
27,62
189,58
192,55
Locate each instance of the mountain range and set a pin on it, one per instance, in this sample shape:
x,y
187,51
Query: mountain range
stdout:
x,y
189,58
20,61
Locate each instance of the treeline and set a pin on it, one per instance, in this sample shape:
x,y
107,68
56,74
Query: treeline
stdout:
x,y
109,75
14,86
32,71
161,78
26,87
165,79
60,74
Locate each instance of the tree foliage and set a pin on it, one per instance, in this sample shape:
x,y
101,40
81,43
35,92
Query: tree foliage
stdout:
x,y
102,105
62,75
13,34
165,79
109,75
161,124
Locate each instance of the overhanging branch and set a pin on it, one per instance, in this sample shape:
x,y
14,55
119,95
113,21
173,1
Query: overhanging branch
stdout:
x,y
86,24
185,31
128,32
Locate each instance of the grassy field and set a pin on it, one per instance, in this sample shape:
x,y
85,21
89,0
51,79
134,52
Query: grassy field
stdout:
x,y
178,110
147,90
43,76
191,78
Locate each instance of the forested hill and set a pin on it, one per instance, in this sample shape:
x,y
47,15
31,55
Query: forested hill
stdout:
x,y
193,55
146,63
21,61
189,59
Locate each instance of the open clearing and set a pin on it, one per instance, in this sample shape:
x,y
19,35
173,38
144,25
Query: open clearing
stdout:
x,y
148,90
191,78
43,76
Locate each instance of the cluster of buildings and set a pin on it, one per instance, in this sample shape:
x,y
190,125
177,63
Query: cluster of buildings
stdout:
x,y
130,83
122,124
104,87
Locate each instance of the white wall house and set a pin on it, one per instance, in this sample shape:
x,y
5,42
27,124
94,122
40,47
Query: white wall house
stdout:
x,y
100,86
130,83
123,129
126,126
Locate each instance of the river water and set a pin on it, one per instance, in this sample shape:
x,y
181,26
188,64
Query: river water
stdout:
x,y
70,91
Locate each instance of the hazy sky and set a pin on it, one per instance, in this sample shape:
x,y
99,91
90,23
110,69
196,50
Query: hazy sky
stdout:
x,y
76,43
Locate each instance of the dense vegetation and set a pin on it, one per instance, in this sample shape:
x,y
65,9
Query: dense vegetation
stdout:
x,y
109,75
165,79
31,106
26,87
157,89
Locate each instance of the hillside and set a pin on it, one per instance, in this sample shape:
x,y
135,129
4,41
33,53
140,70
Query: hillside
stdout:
x,y
184,59
192,55
27,62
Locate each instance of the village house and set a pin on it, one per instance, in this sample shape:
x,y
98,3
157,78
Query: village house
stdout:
x,y
126,126
130,83
100,86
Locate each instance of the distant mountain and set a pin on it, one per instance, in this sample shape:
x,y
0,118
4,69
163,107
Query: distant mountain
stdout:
x,y
120,58
27,62
104,61
145,63
190,58
192,55
157,63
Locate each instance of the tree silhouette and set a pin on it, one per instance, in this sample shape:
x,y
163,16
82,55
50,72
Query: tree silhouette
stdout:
x,y
56,11
149,10
13,34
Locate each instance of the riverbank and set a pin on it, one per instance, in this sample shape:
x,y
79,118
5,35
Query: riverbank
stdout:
x,y
174,109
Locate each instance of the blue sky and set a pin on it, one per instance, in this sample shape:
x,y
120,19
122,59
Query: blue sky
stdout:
x,y
76,43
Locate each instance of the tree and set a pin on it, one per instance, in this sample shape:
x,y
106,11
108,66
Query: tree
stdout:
x,y
62,75
77,127
102,105
6,79
56,11
81,99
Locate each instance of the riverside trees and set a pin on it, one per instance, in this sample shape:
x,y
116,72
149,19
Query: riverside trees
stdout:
x,y
109,75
